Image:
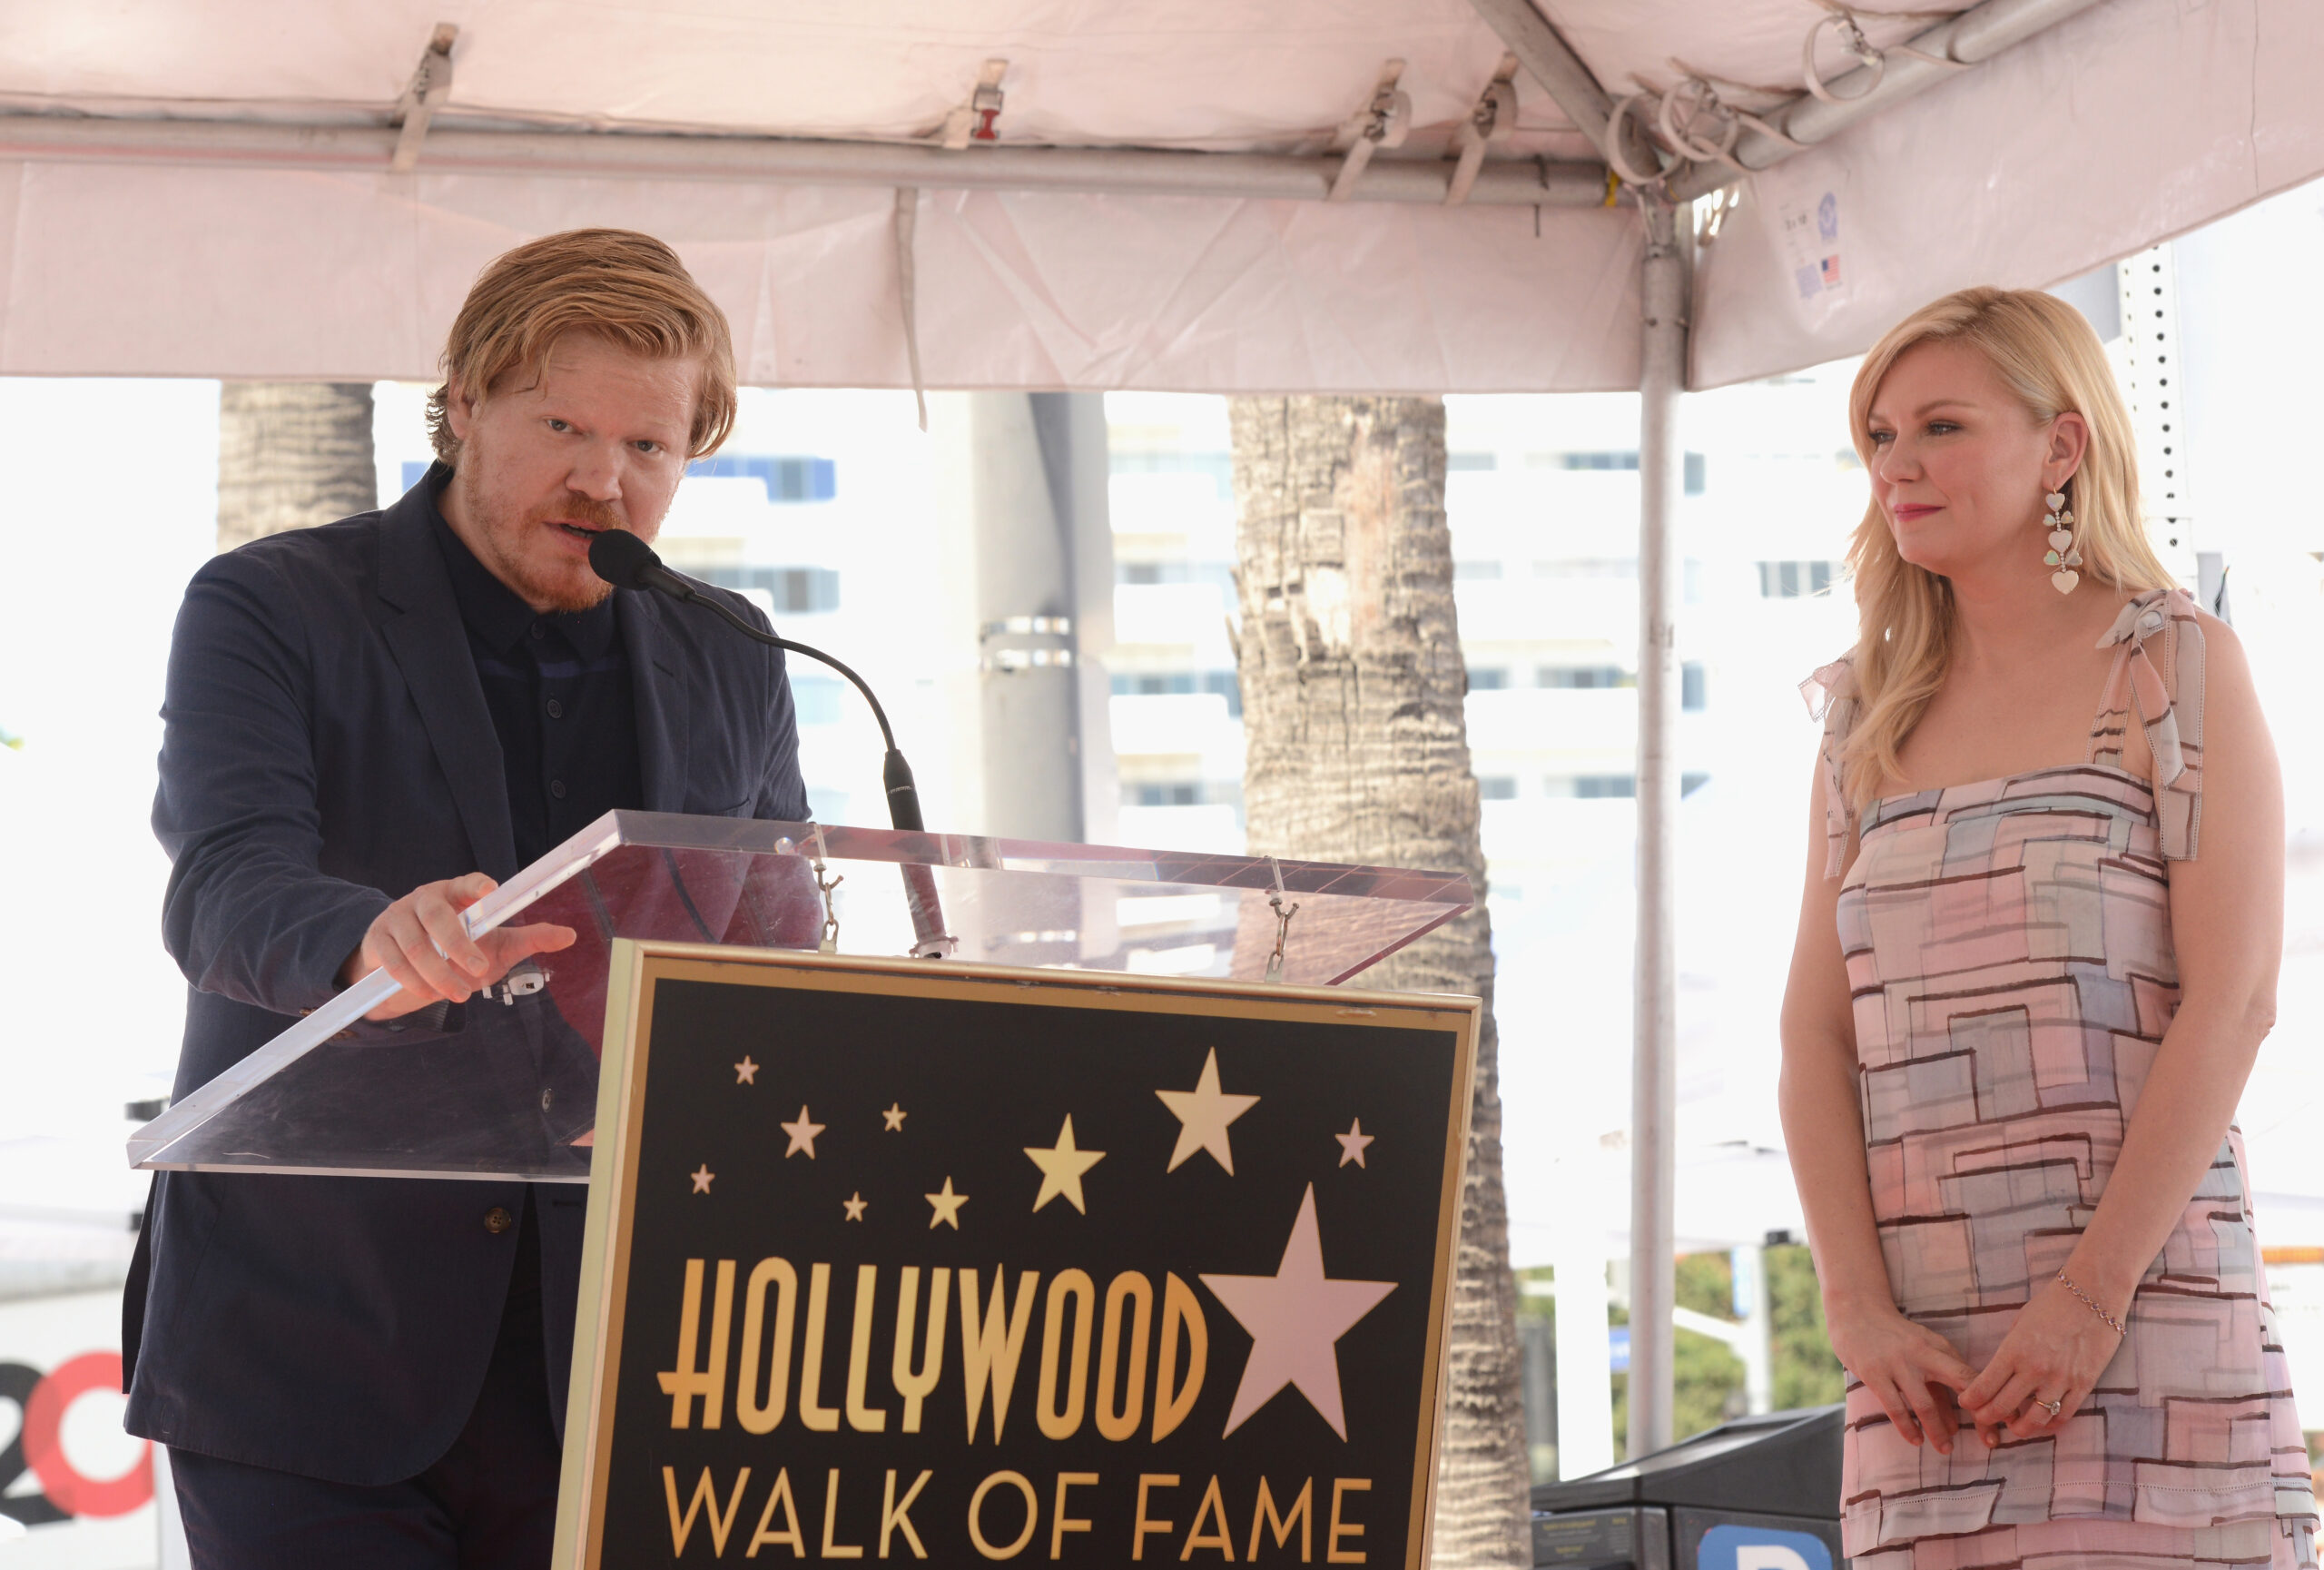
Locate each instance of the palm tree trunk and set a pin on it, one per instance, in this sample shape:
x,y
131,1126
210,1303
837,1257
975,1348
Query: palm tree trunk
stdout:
x,y
291,454
1357,750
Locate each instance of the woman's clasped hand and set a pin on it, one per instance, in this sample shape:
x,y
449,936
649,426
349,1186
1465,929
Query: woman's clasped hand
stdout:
x,y
2055,1352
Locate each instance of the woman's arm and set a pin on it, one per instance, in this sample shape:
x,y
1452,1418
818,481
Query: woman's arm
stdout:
x,y
1900,1362
2227,921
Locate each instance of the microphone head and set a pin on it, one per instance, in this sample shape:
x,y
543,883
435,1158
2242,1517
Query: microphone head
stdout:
x,y
621,558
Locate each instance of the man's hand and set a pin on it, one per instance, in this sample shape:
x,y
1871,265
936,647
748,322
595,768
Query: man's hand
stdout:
x,y
420,941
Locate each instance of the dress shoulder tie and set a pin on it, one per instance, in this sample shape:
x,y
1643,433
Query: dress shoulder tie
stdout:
x,y
2158,632
1831,694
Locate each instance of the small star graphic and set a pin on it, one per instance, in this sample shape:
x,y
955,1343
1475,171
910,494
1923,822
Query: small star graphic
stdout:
x,y
1351,1143
702,1176
746,1072
802,1136
1203,1114
1295,1318
855,1205
894,1116
1062,1169
948,1207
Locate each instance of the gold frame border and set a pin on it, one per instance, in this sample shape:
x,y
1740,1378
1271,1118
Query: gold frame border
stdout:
x,y
634,968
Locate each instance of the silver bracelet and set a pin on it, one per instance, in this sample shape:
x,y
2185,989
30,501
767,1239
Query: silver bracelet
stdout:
x,y
2112,1323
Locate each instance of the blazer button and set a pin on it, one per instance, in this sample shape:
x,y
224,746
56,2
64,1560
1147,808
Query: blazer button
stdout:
x,y
497,1219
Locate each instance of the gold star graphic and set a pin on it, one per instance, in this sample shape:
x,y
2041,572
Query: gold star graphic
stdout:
x,y
1351,1143
895,1116
802,1136
854,1205
1062,1169
746,1072
948,1207
702,1177
1203,1114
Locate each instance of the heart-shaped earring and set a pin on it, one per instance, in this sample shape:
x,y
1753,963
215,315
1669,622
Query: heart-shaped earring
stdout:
x,y
2062,557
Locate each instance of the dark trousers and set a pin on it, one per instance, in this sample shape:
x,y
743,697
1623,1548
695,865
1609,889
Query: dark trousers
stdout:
x,y
490,1503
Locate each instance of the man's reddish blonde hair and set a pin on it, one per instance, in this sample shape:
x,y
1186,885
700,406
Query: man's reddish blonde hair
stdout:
x,y
626,287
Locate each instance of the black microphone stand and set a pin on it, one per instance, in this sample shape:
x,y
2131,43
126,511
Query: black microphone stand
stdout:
x,y
930,940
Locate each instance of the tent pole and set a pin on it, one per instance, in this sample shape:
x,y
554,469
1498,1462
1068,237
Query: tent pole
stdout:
x,y
453,148
1662,472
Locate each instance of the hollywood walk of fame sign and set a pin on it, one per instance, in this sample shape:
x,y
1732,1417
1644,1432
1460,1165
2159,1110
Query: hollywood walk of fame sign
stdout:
x,y
893,1259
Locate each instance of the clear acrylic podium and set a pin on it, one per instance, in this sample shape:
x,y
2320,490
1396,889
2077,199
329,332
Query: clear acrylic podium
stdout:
x,y
504,1085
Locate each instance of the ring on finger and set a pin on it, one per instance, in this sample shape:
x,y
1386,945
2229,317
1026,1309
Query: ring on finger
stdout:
x,y
2052,1407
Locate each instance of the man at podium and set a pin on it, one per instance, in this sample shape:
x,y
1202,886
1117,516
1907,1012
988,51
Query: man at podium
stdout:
x,y
366,724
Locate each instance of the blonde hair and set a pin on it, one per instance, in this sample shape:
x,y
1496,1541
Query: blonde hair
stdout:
x,y
2049,358
624,286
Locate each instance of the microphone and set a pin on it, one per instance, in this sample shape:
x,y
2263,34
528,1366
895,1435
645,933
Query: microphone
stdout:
x,y
625,561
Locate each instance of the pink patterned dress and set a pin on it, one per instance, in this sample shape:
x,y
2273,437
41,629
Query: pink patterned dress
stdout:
x,y
2009,955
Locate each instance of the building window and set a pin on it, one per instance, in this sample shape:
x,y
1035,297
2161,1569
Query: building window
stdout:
x,y
1468,462
1584,676
1604,786
1224,685
1690,687
1488,678
1689,784
1220,573
1182,792
1796,580
1179,683
795,590
1496,787
785,479
1695,465
1590,460
1475,570
1151,684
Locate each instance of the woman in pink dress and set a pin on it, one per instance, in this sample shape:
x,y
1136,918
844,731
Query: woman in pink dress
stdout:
x,y
2022,1005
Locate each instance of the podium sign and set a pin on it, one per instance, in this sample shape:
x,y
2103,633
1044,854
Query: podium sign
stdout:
x,y
906,1260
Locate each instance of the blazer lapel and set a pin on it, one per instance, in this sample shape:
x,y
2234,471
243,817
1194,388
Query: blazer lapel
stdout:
x,y
423,630
658,691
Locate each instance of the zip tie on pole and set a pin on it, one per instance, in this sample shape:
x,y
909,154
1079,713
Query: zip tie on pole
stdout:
x,y
973,121
431,84
1492,118
908,290
1847,20
1720,86
824,885
1383,122
1282,922
1615,162
1842,20
1702,103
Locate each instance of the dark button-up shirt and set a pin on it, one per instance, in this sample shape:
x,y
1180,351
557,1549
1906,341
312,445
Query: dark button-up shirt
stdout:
x,y
559,689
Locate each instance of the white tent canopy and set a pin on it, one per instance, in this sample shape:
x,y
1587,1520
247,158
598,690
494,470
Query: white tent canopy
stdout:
x,y
201,187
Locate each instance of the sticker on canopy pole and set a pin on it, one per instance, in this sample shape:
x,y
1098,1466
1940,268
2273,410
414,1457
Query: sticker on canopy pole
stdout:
x,y
893,1259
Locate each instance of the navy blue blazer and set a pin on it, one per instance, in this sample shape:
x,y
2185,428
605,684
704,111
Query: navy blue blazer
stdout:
x,y
327,748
